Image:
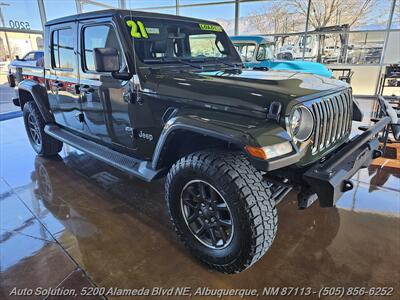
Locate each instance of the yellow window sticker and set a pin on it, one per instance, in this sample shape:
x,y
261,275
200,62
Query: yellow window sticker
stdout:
x,y
137,29
209,27
153,30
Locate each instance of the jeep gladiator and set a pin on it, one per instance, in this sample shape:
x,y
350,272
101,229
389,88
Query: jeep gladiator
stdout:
x,y
167,96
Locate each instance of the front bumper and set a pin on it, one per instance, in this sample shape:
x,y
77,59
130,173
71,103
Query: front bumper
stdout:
x,y
330,179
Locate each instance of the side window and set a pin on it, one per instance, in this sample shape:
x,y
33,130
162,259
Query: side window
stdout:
x,y
247,52
30,56
100,36
38,55
265,51
63,49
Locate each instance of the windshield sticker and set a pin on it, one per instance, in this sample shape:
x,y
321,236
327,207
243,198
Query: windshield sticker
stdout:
x,y
209,27
153,30
137,29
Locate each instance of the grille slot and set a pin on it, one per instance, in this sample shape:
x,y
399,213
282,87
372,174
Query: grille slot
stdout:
x,y
332,119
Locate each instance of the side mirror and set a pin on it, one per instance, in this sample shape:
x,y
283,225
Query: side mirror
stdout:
x,y
17,57
106,60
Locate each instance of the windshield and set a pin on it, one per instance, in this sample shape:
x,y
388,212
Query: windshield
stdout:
x,y
160,40
246,51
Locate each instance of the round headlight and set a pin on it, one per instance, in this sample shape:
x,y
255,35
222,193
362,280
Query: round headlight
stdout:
x,y
301,123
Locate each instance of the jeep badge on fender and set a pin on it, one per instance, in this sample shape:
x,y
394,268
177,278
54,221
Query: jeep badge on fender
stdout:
x,y
146,136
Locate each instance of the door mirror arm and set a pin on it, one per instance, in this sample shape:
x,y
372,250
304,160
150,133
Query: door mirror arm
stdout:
x,y
121,75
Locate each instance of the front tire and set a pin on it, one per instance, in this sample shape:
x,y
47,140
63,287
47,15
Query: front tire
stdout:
x,y
41,142
215,179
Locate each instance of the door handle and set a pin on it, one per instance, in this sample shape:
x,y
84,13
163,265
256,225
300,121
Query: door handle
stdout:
x,y
86,89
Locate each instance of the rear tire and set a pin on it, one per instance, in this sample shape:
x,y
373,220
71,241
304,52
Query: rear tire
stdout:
x,y
227,178
11,80
41,142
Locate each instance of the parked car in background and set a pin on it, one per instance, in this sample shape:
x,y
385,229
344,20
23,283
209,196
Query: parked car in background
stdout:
x,y
31,59
257,52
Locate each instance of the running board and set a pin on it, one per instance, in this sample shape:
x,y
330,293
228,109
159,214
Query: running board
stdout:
x,y
132,166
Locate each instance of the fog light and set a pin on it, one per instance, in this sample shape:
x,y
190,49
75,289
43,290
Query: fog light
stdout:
x,y
269,152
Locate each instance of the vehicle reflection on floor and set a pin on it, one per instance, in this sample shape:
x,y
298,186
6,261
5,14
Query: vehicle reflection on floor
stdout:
x,y
115,229
124,225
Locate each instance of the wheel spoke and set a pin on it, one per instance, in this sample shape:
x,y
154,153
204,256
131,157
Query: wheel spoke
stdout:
x,y
201,230
189,203
214,195
212,235
202,190
222,206
193,217
222,233
37,138
190,190
226,223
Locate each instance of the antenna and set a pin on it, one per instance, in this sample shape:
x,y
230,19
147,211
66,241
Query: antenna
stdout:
x,y
136,86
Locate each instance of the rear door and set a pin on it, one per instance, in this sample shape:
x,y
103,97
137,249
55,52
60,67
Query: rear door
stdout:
x,y
62,76
105,100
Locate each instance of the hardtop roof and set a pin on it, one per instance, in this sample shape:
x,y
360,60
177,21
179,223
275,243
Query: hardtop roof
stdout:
x,y
251,38
122,13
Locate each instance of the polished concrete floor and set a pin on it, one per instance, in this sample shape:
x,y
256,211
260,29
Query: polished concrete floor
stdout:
x,y
74,222
6,94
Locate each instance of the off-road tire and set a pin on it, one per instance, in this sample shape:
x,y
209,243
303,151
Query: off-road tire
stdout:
x,y
252,208
47,146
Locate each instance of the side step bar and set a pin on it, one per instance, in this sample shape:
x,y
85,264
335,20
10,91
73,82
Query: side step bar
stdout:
x,y
132,166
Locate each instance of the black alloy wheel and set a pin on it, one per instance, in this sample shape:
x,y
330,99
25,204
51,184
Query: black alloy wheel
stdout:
x,y
207,214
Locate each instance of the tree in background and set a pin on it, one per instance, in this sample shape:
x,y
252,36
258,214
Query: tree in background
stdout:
x,y
336,12
290,16
277,18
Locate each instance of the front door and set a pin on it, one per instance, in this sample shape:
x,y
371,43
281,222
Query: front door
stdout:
x,y
62,76
105,100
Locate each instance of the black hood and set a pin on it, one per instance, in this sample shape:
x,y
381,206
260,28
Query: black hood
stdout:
x,y
247,90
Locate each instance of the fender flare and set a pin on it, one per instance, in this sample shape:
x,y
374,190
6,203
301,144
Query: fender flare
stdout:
x,y
235,134
39,95
197,125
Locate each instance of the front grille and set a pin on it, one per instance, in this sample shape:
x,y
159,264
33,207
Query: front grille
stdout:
x,y
332,119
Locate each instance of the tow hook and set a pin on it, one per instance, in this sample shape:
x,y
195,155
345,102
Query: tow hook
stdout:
x,y
347,186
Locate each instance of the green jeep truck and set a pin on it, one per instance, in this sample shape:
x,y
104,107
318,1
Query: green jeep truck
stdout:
x,y
166,96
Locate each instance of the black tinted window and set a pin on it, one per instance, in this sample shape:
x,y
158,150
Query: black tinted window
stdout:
x,y
63,49
101,36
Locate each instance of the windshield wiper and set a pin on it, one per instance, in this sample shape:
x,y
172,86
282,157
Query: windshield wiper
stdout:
x,y
222,61
172,60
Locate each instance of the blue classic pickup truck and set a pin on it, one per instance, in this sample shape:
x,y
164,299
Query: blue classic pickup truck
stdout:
x,y
258,52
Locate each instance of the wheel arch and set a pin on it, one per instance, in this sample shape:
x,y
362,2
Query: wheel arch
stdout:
x,y
185,135
29,90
